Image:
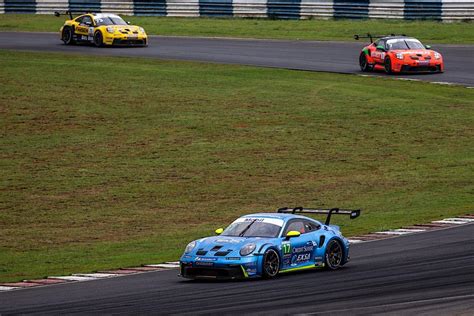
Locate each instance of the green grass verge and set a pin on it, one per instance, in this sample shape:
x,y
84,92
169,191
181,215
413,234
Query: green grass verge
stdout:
x,y
113,162
341,30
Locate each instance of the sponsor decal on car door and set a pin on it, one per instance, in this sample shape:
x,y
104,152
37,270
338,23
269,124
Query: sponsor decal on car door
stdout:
x,y
378,56
85,28
298,251
301,252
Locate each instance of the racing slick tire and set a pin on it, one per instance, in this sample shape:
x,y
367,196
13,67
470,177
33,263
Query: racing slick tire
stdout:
x,y
67,36
271,264
98,39
387,64
334,255
364,64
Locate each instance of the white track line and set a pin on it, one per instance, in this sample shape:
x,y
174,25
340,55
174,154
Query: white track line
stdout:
x,y
163,265
7,288
444,83
392,232
460,219
408,79
450,222
95,275
72,278
410,230
419,80
355,241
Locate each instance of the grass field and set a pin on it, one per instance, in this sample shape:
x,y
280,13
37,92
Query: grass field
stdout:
x,y
341,30
113,162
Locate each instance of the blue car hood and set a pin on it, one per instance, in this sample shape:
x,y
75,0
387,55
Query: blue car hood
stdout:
x,y
226,242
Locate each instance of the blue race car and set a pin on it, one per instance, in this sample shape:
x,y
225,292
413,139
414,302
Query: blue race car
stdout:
x,y
266,244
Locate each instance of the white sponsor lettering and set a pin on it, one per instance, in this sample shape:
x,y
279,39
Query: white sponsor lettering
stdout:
x,y
303,249
303,257
274,221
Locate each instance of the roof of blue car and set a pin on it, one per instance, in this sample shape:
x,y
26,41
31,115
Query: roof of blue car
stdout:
x,y
283,216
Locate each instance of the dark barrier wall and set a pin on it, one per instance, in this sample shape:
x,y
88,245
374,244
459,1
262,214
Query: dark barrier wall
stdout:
x,y
283,9
20,6
358,9
149,7
422,9
215,8
84,5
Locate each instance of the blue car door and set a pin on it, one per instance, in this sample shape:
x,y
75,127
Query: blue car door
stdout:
x,y
298,251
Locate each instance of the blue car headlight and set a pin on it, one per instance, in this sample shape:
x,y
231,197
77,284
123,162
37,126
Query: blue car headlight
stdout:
x,y
247,249
190,247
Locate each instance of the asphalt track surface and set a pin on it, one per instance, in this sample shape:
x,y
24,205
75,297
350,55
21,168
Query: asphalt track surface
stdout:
x,y
430,273
339,57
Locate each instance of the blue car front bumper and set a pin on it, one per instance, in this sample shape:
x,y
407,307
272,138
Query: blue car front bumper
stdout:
x,y
196,267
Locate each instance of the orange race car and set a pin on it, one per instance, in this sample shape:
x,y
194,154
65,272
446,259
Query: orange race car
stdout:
x,y
398,54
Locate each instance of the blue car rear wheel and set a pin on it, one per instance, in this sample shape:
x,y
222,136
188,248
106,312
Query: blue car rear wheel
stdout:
x,y
334,255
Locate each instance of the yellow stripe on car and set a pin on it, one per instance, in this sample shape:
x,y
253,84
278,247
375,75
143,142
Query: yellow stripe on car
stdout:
x,y
300,268
245,272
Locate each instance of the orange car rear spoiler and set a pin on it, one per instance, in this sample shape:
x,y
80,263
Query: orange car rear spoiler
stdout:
x,y
357,36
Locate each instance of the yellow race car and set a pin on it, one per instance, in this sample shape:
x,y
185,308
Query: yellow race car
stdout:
x,y
101,29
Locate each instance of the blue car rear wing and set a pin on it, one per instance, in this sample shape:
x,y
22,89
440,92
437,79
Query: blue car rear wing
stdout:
x,y
352,213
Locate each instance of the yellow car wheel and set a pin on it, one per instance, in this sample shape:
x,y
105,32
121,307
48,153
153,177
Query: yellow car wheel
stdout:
x,y
98,39
67,36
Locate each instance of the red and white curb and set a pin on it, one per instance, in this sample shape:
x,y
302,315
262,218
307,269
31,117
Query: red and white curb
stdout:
x,y
417,228
81,277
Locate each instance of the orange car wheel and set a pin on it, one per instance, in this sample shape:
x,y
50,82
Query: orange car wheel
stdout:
x,y
388,65
364,63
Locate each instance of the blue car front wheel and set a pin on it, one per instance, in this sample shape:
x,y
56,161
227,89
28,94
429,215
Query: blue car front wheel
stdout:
x,y
271,264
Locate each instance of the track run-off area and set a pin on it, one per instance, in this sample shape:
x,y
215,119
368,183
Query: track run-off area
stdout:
x,y
338,57
429,273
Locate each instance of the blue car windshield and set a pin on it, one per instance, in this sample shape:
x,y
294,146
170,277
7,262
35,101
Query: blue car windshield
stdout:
x,y
256,229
